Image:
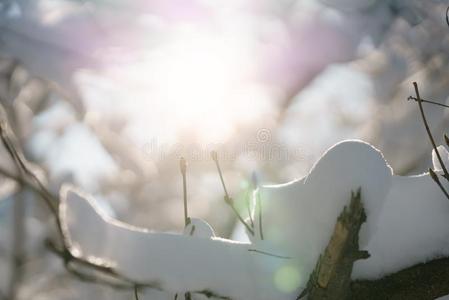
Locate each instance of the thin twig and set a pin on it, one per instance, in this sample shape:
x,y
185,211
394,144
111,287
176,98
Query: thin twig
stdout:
x,y
183,168
227,198
429,133
18,251
435,178
210,294
136,293
19,159
236,212
258,203
248,207
428,101
214,156
447,16
259,210
22,181
19,231
269,254
51,201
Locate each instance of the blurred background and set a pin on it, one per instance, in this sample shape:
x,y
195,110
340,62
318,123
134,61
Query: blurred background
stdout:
x,y
108,95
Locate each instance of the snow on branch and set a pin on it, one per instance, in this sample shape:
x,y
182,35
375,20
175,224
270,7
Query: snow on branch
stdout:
x,y
26,177
331,278
300,219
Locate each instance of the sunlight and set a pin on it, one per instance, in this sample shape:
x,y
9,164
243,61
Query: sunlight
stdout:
x,y
191,80
194,79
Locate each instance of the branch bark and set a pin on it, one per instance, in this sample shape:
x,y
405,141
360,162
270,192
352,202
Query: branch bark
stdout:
x,y
331,278
425,281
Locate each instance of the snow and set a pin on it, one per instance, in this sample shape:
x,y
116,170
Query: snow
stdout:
x,y
177,263
444,157
413,226
299,216
297,221
199,228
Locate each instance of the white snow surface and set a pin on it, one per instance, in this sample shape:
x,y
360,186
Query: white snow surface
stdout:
x,y
413,226
406,224
444,157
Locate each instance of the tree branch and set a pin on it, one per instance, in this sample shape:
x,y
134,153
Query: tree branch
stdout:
x,y
331,278
425,281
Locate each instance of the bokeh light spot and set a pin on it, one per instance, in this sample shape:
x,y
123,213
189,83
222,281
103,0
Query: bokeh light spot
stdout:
x,y
287,278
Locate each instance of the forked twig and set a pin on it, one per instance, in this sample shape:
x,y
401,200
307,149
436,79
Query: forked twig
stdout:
x,y
432,141
429,133
428,101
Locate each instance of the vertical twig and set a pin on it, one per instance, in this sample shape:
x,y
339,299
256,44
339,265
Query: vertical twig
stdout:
x,y
227,198
214,156
432,174
259,210
19,230
19,160
136,293
429,133
248,208
258,203
447,16
18,250
183,167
